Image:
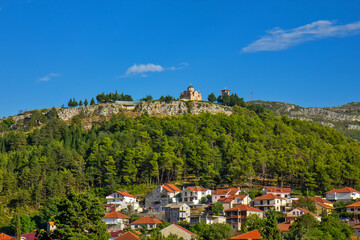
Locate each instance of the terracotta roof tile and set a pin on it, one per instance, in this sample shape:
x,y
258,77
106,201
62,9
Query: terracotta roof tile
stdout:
x,y
197,189
185,229
269,196
285,226
320,200
357,204
254,234
241,196
356,227
168,189
278,190
3,236
115,215
128,236
343,190
324,205
173,187
243,207
51,223
146,220
125,194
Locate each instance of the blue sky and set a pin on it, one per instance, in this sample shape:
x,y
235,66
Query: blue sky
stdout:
x,y
301,52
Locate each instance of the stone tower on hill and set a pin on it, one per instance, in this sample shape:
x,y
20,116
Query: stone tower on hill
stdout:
x,y
190,95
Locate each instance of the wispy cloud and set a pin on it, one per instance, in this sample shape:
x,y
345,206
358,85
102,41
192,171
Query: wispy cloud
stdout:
x,y
278,39
48,77
141,70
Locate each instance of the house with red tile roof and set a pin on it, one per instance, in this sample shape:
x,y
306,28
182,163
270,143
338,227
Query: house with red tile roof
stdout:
x,y
232,201
122,200
272,201
322,205
343,194
128,236
297,213
50,226
357,230
193,195
116,221
178,231
252,235
280,192
161,196
3,236
285,226
354,209
224,193
236,216
149,222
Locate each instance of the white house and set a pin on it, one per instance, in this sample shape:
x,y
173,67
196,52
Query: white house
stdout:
x,y
224,193
161,196
177,212
123,200
193,195
116,221
281,192
344,194
268,201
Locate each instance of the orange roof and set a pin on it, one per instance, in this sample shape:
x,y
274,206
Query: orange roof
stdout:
x,y
146,220
320,200
3,236
127,236
115,215
227,191
125,194
343,190
254,234
168,189
184,229
196,189
302,209
324,205
269,196
278,190
173,187
243,207
356,227
226,199
51,223
285,226
240,196
138,232
357,204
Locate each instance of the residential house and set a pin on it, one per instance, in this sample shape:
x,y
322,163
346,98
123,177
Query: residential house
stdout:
x,y
128,236
232,201
224,193
206,218
357,230
122,200
149,222
344,194
161,196
50,226
252,235
193,195
281,192
178,231
116,221
3,236
177,212
354,209
322,205
270,200
236,216
297,213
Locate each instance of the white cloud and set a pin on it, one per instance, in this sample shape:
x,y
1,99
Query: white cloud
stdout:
x,y
48,77
278,39
142,69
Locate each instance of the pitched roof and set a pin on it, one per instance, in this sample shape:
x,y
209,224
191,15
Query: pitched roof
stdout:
x,y
168,189
301,209
269,196
324,205
254,234
115,215
356,227
173,187
357,204
343,190
278,190
227,191
243,207
241,196
125,194
184,229
146,220
285,226
320,200
3,236
28,236
51,223
226,199
196,189
127,236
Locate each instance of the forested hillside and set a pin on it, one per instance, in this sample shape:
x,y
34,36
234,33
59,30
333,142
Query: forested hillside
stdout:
x,y
213,149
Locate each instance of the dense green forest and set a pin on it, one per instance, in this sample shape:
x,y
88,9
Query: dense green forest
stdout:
x,y
216,150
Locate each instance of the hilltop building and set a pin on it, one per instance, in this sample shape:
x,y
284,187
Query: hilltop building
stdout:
x,y
191,95
225,91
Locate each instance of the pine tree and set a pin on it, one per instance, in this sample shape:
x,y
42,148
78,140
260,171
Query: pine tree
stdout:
x,y
212,97
92,102
86,102
80,103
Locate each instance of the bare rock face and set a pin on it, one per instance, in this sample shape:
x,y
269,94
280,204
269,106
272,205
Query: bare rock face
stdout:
x,y
180,108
